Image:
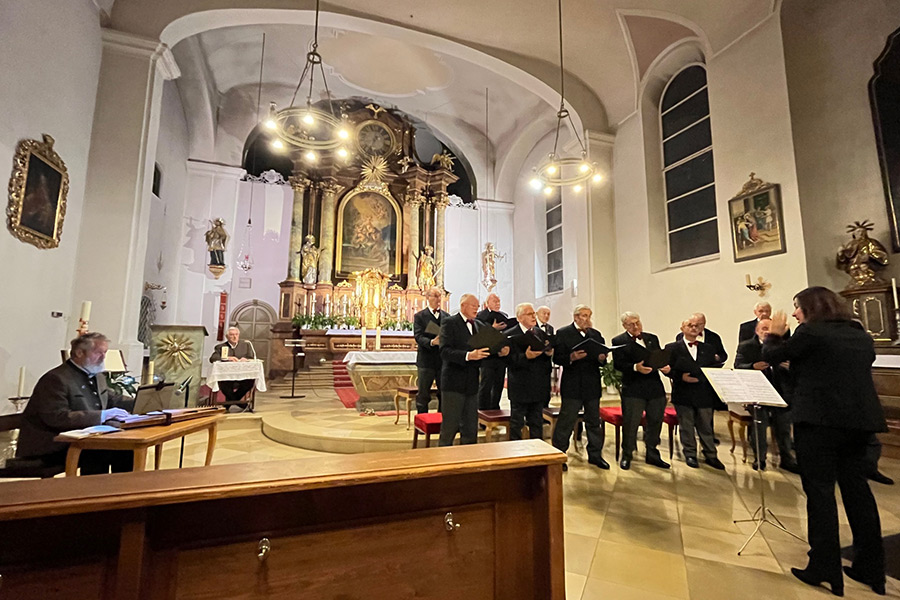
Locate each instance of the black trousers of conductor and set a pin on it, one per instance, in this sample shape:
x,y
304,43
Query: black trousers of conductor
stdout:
x,y
827,455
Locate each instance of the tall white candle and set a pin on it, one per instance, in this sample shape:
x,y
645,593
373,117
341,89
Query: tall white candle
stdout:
x,y
21,390
86,311
378,338
748,279
362,344
150,368
894,290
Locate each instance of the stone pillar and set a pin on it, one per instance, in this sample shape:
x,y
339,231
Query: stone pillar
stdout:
x,y
118,187
414,201
299,185
330,191
441,202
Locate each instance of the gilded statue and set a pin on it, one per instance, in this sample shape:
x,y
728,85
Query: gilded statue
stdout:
x,y
489,258
309,260
425,273
861,256
444,160
216,238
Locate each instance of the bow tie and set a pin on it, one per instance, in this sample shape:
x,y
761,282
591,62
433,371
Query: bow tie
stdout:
x,y
471,322
637,337
692,344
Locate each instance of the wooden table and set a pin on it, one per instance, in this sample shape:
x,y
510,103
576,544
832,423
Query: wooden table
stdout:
x,y
141,438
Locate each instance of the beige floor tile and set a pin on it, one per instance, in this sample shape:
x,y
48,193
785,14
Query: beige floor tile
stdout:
x,y
582,520
643,506
644,568
709,580
574,585
598,589
579,553
641,531
722,547
711,517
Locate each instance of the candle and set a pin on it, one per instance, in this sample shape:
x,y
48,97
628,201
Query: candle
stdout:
x,y
894,290
224,351
21,391
378,338
362,344
150,367
86,311
748,279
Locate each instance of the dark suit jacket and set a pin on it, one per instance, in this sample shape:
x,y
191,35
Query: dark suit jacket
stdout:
x,y
528,380
241,350
831,363
750,352
458,374
487,317
700,394
634,384
427,356
713,339
580,379
550,330
64,398
748,331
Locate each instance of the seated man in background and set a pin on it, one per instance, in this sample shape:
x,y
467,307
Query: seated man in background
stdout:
x,y
73,396
234,350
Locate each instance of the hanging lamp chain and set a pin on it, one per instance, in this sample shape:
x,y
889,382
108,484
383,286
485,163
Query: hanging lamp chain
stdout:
x,y
563,114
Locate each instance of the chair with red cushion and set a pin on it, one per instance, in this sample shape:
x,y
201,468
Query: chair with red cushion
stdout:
x,y
491,419
670,418
426,424
613,416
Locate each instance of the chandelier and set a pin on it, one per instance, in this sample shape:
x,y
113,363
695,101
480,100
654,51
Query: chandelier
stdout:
x,y
558,171
309,127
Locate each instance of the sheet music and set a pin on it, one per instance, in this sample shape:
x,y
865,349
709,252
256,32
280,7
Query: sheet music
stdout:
x,y
743,386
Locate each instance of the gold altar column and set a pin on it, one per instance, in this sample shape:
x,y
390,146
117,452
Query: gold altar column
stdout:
x,y
441,202
414,201
330,190
299,184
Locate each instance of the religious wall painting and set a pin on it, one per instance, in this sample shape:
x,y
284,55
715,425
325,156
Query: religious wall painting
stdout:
x,y
757,224
368,232
37,193
884,96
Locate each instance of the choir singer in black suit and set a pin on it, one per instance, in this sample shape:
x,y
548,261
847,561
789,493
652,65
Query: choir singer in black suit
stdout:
x,y
428,349
642,390
493,369
459,374
835,412
529,375
749,356
581,385
543,324
692,394
762,311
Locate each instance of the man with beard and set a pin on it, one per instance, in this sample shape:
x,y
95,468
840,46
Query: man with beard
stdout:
x,y
74,395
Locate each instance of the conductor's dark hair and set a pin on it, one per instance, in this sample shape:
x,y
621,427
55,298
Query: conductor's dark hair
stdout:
x,y
821,304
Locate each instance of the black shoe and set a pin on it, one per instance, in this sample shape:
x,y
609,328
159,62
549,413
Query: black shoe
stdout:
x,y
625,464
715,463
716,441
657,462
790,467
810,578
879,477
757,465
565,467
878,587
692,462
599,463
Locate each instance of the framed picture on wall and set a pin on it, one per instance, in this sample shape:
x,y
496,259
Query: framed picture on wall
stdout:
x,y
757,222
37,193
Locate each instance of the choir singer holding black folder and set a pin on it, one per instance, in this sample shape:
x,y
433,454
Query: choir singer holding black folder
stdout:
x,y
493,370
529,374
835,412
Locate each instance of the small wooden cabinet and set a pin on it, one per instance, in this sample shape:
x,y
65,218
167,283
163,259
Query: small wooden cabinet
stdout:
x,y
474,522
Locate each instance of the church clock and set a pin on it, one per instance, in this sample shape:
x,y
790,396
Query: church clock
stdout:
x,y
374,138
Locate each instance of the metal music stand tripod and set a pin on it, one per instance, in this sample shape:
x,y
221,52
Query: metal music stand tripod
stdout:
x,y
296,346
184,388
763,514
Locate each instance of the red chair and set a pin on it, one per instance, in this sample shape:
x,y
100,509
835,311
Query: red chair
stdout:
x,y
613,416
426,424
670,418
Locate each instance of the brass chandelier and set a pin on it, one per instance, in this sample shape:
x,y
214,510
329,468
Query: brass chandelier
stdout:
x,y
559,171
306,126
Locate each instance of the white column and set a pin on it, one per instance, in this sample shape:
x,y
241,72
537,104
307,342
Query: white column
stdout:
x,y
113,241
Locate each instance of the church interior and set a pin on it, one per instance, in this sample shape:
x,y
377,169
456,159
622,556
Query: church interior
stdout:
x,y
297,177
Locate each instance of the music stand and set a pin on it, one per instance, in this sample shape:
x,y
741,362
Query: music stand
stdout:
x,y
184,388
762,513
296,345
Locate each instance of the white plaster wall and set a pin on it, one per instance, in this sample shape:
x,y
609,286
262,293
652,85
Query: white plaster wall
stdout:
x,y
751,131
830,48
50,63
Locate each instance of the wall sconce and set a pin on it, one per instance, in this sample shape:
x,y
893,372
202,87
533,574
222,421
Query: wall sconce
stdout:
x,y
165,293
762,286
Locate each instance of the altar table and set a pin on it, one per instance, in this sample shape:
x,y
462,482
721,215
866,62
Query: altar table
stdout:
x,y
236,371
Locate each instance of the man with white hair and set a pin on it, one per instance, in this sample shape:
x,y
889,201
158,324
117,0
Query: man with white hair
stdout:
x,y
529,375
762,311
234,350
493,370
74,395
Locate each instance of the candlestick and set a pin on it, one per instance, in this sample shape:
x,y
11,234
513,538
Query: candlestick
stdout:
x,y
362,344
86,311
748,279
378,338
894,290
21,389
150,368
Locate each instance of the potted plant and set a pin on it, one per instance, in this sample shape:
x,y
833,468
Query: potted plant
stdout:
x,y
612,377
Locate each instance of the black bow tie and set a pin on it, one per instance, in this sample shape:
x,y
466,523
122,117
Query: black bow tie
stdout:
x,y
692,344
637,337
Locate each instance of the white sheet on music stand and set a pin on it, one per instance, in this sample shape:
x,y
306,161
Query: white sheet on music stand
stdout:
x,y
744,386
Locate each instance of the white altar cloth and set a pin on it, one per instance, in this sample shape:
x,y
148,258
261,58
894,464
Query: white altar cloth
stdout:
x,y
406,357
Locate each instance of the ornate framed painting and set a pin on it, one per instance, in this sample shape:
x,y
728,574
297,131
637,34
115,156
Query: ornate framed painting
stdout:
x,y
368,231
37,193
757,224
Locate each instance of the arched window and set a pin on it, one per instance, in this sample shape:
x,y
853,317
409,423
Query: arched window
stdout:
x,y
554,231
688,167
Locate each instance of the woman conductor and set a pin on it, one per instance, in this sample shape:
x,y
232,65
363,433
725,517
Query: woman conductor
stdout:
x,y
835,410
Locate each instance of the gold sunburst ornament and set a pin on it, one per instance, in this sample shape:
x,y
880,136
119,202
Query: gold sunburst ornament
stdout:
x,y
174,352
374,169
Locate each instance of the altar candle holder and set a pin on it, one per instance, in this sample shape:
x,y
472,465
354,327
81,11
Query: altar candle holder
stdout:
x,y
18,402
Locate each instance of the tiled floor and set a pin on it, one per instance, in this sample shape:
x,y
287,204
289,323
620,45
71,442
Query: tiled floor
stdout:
x,y
644,534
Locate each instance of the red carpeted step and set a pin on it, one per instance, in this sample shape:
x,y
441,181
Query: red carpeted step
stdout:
x,y
348,397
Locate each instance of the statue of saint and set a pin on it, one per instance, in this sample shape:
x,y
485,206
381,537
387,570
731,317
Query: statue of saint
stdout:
x,y
861,255
489,258
309,260
216,238
425,273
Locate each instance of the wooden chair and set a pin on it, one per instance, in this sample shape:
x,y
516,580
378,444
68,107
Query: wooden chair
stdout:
x,y
407,393
24,467
491,419
551,415
743,421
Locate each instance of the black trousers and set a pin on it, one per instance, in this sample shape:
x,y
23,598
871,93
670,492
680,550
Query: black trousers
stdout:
x,y
235,390
423,396
780,421
460,414
522,413
490,388
827,455
568,415
633,410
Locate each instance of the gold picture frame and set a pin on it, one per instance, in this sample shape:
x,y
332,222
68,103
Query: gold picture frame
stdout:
x,y
368,193
757,220
38,189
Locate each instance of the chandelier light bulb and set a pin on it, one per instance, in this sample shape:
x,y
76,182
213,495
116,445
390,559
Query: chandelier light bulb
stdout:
x,y
342,152
535,183
278,145
577,188
552,169
310,156
598,178
343,134
584,167
548,190
271,124
308,119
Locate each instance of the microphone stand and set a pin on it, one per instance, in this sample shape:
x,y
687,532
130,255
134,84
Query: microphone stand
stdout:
x,y
187,394
296,349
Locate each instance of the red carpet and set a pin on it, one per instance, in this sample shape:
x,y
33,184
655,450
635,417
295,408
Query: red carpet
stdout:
x,y
343,385
347,396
